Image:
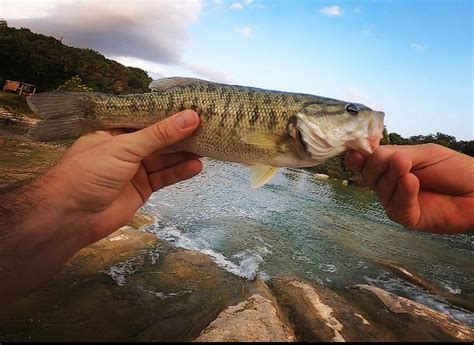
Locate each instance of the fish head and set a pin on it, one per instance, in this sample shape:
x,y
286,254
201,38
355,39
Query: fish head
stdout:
x,y
326,129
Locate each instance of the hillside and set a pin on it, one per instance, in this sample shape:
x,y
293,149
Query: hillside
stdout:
x,y
47,63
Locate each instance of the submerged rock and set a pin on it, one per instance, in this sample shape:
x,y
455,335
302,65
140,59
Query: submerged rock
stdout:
x,y
415,279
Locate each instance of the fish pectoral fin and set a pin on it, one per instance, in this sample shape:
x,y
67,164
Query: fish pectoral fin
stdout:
x,y
164,84
269,141
261,174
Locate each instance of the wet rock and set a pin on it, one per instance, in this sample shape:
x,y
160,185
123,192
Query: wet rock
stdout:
x,y
129,286
141,220
320,314
321,176
362,313
413,321
413,278
258,318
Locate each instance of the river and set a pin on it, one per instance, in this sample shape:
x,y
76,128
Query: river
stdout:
x,y
297,225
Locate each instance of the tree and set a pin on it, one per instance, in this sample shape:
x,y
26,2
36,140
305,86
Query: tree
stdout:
x,y
75,85
385,139
396,139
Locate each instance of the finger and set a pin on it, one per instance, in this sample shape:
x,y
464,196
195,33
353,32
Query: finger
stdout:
x,y
116,131
141,184
375,166
174,174
354,161
399,165
157,161
164,133
404,207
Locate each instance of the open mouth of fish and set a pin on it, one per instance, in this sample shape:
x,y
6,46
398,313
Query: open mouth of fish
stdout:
x,y
324,142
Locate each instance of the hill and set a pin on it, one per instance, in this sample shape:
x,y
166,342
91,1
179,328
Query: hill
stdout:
x,y
47,63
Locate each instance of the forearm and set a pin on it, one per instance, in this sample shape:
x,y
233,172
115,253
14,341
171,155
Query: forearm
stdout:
x,y
38,232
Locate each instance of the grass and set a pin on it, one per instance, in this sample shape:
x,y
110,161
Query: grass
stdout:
x,y
15,103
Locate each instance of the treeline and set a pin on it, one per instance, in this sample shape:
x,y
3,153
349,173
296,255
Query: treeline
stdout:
x,y
335,167
47,63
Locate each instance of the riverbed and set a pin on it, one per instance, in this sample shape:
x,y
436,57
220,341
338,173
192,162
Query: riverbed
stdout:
x,y
297,225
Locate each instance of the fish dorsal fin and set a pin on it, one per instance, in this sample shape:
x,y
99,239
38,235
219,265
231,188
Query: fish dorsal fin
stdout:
x,y
261,174
164,84
269,141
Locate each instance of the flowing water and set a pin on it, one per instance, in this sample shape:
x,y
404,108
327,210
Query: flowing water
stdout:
x,y
297,225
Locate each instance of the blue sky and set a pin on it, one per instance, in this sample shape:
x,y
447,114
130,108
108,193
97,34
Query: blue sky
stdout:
x,y
411,59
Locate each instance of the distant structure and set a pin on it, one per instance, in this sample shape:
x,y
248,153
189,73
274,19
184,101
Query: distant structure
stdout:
x,y
19,87
3,23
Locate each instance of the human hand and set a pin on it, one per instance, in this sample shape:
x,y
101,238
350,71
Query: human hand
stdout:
x,y
423,187
109,175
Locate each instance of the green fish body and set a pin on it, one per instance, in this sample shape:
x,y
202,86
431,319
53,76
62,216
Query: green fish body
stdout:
x,y
263,128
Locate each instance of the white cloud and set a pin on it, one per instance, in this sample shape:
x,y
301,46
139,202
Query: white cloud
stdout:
x,y
245,31
149,30
237,6
155,70
209,73
248,2
332,11
417,46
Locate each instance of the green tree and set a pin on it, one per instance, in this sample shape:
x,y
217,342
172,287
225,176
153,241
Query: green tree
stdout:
x,y
385,139
74,84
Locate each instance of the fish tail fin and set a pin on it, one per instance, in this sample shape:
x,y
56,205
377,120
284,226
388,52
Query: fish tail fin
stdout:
x,y
63,115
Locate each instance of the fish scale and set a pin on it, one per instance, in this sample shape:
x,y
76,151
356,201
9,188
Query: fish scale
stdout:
x,y
240,124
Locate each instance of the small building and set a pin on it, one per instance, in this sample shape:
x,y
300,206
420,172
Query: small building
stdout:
x,y
19,87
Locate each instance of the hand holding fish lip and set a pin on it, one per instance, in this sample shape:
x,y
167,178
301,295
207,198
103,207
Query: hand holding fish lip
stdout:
x,y
109,175
423,187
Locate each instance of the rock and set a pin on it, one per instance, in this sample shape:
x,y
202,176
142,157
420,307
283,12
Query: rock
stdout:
x,y
123,243
255,319
141,220
426,285
319,314
362,313
345,183
129,286
258,318
321,176
420,322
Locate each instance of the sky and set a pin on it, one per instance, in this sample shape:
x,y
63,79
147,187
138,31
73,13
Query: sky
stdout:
x,y
412,59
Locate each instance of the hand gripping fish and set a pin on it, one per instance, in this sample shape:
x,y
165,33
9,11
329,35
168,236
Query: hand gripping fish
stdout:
x,y
265,129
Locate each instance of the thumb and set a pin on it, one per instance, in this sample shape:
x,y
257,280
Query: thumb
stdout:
x,y
162,134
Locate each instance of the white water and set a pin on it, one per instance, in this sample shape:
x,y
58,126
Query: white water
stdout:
x,y
297,225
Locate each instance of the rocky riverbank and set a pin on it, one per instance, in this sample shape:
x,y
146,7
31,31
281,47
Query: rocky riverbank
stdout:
x,y
131,286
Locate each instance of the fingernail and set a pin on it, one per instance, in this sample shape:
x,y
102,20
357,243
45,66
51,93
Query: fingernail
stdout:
x,y
186,119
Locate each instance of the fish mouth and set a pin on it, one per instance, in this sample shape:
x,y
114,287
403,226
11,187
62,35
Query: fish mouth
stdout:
x,y
322,145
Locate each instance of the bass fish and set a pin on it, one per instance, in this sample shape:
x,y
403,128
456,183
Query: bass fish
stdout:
x,y
265,129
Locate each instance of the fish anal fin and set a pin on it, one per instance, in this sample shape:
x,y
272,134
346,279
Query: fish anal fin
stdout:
x,y
261,174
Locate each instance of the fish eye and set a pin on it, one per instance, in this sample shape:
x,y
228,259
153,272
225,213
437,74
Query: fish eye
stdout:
x,y
352,109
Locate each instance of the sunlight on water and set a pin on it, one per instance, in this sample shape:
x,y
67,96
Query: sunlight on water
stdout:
x,y
298,225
